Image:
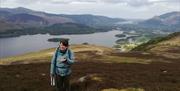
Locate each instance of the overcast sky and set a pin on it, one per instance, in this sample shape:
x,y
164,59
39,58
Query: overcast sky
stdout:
x,y
133,9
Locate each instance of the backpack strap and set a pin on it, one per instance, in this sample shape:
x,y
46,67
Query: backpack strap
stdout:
x,y
69,53
55,59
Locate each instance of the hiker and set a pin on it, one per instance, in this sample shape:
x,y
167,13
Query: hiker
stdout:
x,y
60,69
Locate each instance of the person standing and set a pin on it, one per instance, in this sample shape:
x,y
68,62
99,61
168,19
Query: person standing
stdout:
x,y
60,68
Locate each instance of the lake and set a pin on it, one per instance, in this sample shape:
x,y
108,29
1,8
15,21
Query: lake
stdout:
x,y
30,43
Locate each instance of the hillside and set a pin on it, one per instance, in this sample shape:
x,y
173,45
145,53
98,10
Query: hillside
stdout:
x,y
97,68
55,29
50,18
168,46
27,20
171,19
20,13
88,53
21,21
70,28
94,20
7,26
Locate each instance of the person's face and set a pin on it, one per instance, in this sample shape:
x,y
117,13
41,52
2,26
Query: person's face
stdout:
x,y
62,47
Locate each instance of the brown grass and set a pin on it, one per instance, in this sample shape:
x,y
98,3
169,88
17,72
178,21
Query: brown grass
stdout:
x,y
103,69
149,77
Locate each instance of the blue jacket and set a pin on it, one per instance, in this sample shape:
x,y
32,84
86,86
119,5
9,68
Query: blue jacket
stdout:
x,y
61,68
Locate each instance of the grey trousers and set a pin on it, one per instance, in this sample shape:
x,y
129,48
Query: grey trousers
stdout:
x,y
62,83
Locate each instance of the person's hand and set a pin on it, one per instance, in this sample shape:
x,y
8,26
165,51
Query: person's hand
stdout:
x,y
63,59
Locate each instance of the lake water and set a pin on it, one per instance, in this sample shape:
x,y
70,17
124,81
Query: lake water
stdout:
x,y
29,43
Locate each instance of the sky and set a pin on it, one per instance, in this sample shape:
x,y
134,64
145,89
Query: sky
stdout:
x,y
129,9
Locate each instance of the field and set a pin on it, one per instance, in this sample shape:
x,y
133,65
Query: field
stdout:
x,y
100,69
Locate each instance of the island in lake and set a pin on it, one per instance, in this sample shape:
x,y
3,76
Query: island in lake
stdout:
x,y
57,39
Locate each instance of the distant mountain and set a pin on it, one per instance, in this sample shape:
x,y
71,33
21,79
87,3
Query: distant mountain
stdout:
x,y
69,28
4,14
22,18
19,13
171,19
94,20
16,10
55,29
89,20
4,26
27,20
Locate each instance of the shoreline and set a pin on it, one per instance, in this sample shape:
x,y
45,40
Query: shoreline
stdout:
x,y
41,42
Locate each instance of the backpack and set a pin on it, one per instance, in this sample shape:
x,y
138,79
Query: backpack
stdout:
x,y
69,54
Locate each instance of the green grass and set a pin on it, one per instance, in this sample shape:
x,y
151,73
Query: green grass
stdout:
x,y
82,53
145,46
39,55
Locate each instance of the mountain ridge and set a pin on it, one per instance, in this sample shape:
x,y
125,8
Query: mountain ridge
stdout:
x,y
168,19
93,19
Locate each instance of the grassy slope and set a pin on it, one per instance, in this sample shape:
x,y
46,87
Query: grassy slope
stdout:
x,y
103,68
82,52
170,40
168,46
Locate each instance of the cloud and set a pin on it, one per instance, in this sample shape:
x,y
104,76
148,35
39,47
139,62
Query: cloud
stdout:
x,y
133,3
26,1
113,8
139,3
